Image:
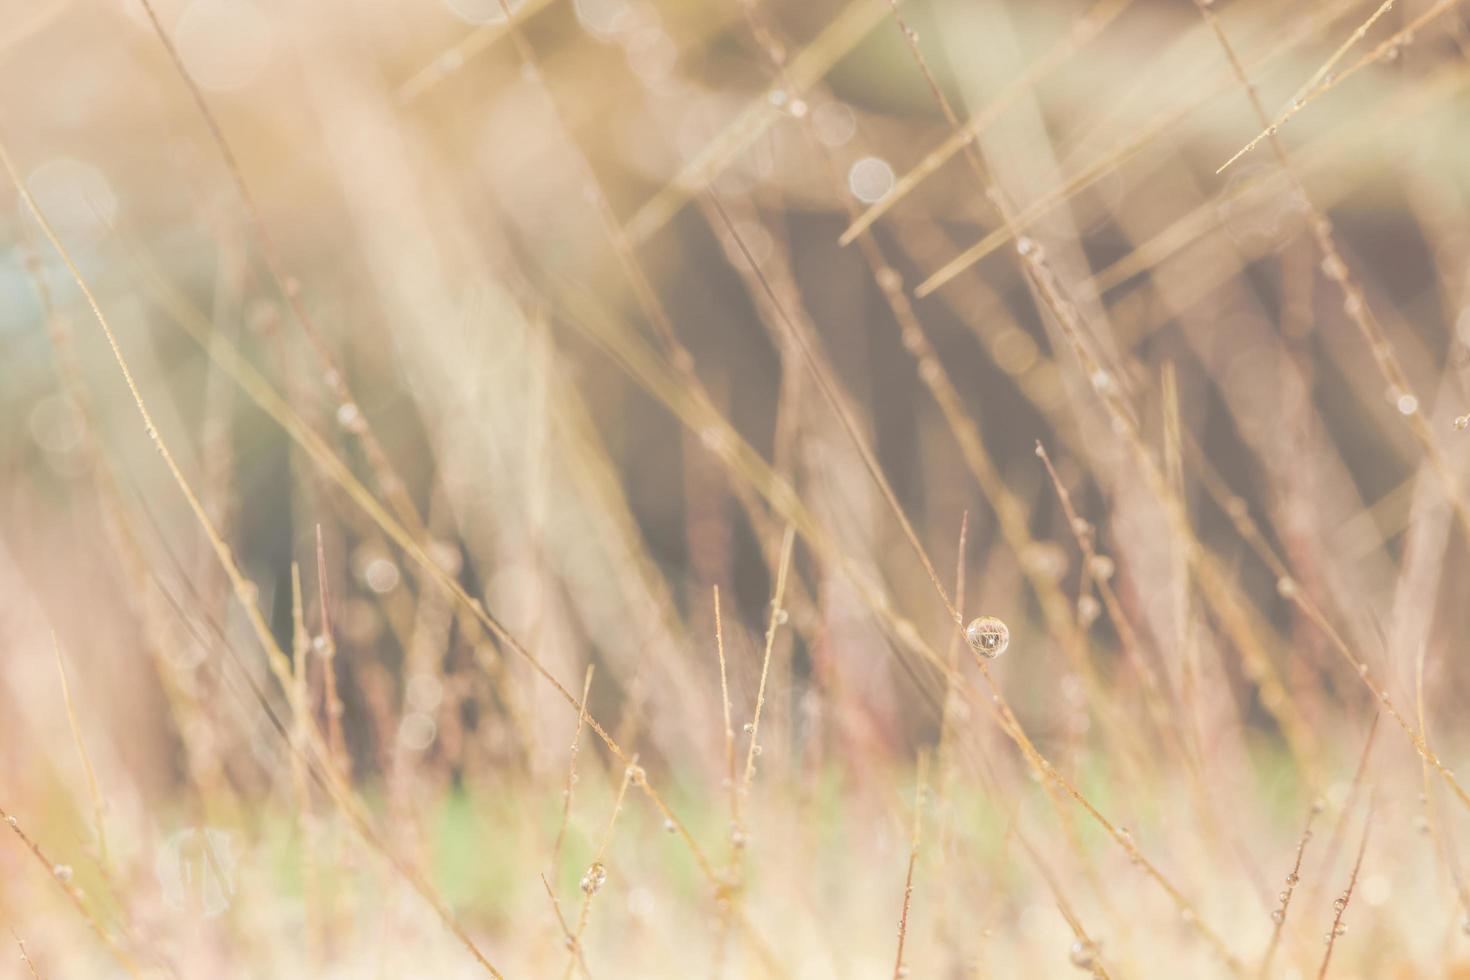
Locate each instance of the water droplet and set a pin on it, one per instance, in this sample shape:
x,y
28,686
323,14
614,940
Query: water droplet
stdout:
x,y
594,878
834,123
670,826
1101,567
225,45
870,179
1338,904
62,872
1293,878
749,728
1287,588
712,438
1083,955
381,575
988,637
1407,404
889,279
196,871
1278,916
1334,268
349,417
56,425
781,617
1462,422
1088,609
1047,559
417,731
424,692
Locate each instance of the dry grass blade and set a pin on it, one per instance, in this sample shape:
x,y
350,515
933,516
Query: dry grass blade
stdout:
x,y
301,723
568,937
1437,834
99,810
921,791
326,647
1339,829
778,616
1323,81
1340,905
727,901
734,786
566,793
1293,878
25,956
596,874
61,874
1085,953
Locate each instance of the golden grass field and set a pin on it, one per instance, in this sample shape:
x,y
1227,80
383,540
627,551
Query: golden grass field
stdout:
x,y
735,488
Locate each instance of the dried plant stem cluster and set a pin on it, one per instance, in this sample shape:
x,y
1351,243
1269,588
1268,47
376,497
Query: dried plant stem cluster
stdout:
x,y
373,374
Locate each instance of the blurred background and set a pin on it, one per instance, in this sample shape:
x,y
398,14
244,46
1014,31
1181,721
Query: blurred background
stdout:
x,y
485,350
